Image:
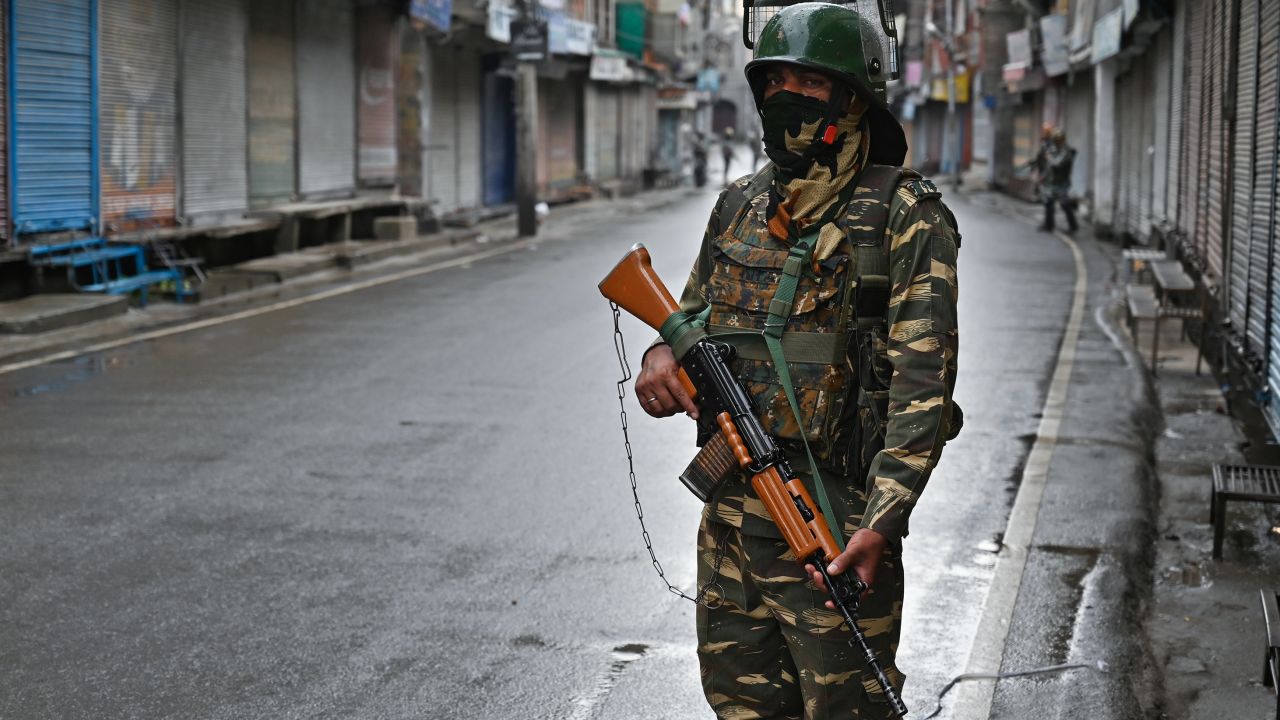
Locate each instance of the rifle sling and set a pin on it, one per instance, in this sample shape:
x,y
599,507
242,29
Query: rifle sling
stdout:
x,y
799,347
779,310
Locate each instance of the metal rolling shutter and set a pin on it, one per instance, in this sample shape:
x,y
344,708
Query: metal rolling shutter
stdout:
x,y
1079,122
470,176
1177,103
442,140
1242,169
1148,111
1159,81
377,50
558,135
271,103
1193,145
1213,247
326,98
606,132
1264,288
215,181
137,104
54,153
499,145
4,124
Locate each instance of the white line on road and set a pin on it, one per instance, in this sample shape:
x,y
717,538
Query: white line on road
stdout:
x,y
263,310
974,699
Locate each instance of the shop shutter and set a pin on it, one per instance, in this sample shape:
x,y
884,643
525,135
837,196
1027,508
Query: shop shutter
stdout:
x,y
557,135
54,158
1177,103
470,173
4,124
1079,128
215,182
1264,288
607,132
1148,111
1159,82
499,145
1213,247
442,142
272,162
326,98
377,50
1242,168
1189,181
137,103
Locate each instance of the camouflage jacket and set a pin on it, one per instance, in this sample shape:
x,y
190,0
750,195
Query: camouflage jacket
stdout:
x,y
917,353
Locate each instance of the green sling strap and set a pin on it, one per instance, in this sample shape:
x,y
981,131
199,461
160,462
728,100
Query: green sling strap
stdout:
x,y
779,310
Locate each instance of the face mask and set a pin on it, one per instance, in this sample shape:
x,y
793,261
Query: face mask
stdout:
x,y
791,123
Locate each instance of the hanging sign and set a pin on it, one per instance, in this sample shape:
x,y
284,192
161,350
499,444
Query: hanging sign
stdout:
x,y
434,12
528,40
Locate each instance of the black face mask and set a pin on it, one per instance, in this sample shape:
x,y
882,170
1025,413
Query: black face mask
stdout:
x,y
783,115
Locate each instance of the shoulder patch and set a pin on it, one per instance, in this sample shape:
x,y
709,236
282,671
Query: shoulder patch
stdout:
x,y
921,189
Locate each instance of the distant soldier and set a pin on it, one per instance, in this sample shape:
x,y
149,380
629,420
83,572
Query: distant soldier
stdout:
x,y
1055,183
726,151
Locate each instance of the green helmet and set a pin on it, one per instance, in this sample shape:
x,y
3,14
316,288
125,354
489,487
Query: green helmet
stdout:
x,y
841,42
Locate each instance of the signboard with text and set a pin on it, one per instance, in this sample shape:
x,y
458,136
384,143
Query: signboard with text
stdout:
x,y
434,12
528,40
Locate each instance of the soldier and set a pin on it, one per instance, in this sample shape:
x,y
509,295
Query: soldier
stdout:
x,y
1059,159
872,359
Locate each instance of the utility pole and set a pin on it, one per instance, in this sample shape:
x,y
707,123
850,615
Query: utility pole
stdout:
x,y
528,47
952,125
526,148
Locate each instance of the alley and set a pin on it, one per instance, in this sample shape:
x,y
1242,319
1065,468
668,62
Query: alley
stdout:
x,y
412,501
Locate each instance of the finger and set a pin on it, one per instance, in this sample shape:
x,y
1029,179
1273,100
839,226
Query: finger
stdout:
x,y
648,395
663,402
677,391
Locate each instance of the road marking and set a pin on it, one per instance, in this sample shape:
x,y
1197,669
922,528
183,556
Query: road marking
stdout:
x,y
974,699
263,310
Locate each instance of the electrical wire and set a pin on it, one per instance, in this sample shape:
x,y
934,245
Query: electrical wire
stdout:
x,y
1096,665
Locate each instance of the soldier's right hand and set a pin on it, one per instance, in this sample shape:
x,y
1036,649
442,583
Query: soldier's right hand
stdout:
x,y
658,386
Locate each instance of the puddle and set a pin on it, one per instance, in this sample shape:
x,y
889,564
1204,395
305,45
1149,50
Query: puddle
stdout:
x,y
588,705
76,371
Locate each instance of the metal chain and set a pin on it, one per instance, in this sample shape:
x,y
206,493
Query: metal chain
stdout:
x,y
620,346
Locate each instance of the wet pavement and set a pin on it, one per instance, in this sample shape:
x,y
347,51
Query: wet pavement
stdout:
x,y
412,500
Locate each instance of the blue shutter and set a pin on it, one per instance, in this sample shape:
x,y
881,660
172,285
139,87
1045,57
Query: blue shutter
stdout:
x,y
53,148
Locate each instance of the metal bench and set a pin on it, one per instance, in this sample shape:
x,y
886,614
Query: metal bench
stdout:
x,y
112,269
1136,259
1271,663
1258,483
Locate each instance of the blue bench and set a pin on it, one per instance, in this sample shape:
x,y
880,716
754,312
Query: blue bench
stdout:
x,y
107,267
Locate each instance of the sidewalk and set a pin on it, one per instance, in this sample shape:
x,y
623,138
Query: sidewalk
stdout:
x,y
284,277
1134,469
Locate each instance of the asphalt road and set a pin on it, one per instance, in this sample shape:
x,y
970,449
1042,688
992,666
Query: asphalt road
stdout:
x,y
412,500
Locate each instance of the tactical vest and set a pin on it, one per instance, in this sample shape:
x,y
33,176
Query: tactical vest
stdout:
x,y
835,340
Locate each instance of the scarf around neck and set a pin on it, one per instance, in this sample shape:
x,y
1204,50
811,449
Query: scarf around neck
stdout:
x,y
798,203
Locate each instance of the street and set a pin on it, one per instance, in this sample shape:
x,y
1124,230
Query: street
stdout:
x,y
412,500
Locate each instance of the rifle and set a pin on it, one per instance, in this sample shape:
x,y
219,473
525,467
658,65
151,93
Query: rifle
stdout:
x,y
705,375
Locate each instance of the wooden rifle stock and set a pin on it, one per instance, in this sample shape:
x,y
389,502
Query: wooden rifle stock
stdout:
x,y
636,288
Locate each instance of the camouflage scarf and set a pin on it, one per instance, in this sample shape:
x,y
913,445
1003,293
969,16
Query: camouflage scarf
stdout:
x,y
797,203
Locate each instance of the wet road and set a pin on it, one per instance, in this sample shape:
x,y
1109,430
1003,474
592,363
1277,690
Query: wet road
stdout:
x,y
412,501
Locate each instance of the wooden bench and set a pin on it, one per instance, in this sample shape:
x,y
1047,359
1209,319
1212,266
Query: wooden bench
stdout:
x,y
1271,663
1137,258
1258,483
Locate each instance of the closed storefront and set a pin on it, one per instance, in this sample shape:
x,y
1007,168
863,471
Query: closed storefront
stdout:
x,y
5,235
326,70
214,176
499,144
138,86
53,139
1177,103
271,103
1210,230
410,111
1078,122
1264,306
454,160
376,50
1190,181
559,120
604,131
1242,167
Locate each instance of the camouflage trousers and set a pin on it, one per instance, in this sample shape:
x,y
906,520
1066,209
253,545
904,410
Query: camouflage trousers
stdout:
x,y
769,647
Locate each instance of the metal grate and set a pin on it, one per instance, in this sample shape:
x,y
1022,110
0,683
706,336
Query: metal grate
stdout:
x,y
878,12
1253,482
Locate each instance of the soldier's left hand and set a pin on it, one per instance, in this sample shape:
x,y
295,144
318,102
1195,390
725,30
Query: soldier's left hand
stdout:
x,y
862,553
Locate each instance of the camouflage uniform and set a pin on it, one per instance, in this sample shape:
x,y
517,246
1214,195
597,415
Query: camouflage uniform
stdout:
x,y
768,646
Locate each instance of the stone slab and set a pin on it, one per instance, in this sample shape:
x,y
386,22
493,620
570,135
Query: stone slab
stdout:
x,y
396,227
287,266
42,313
